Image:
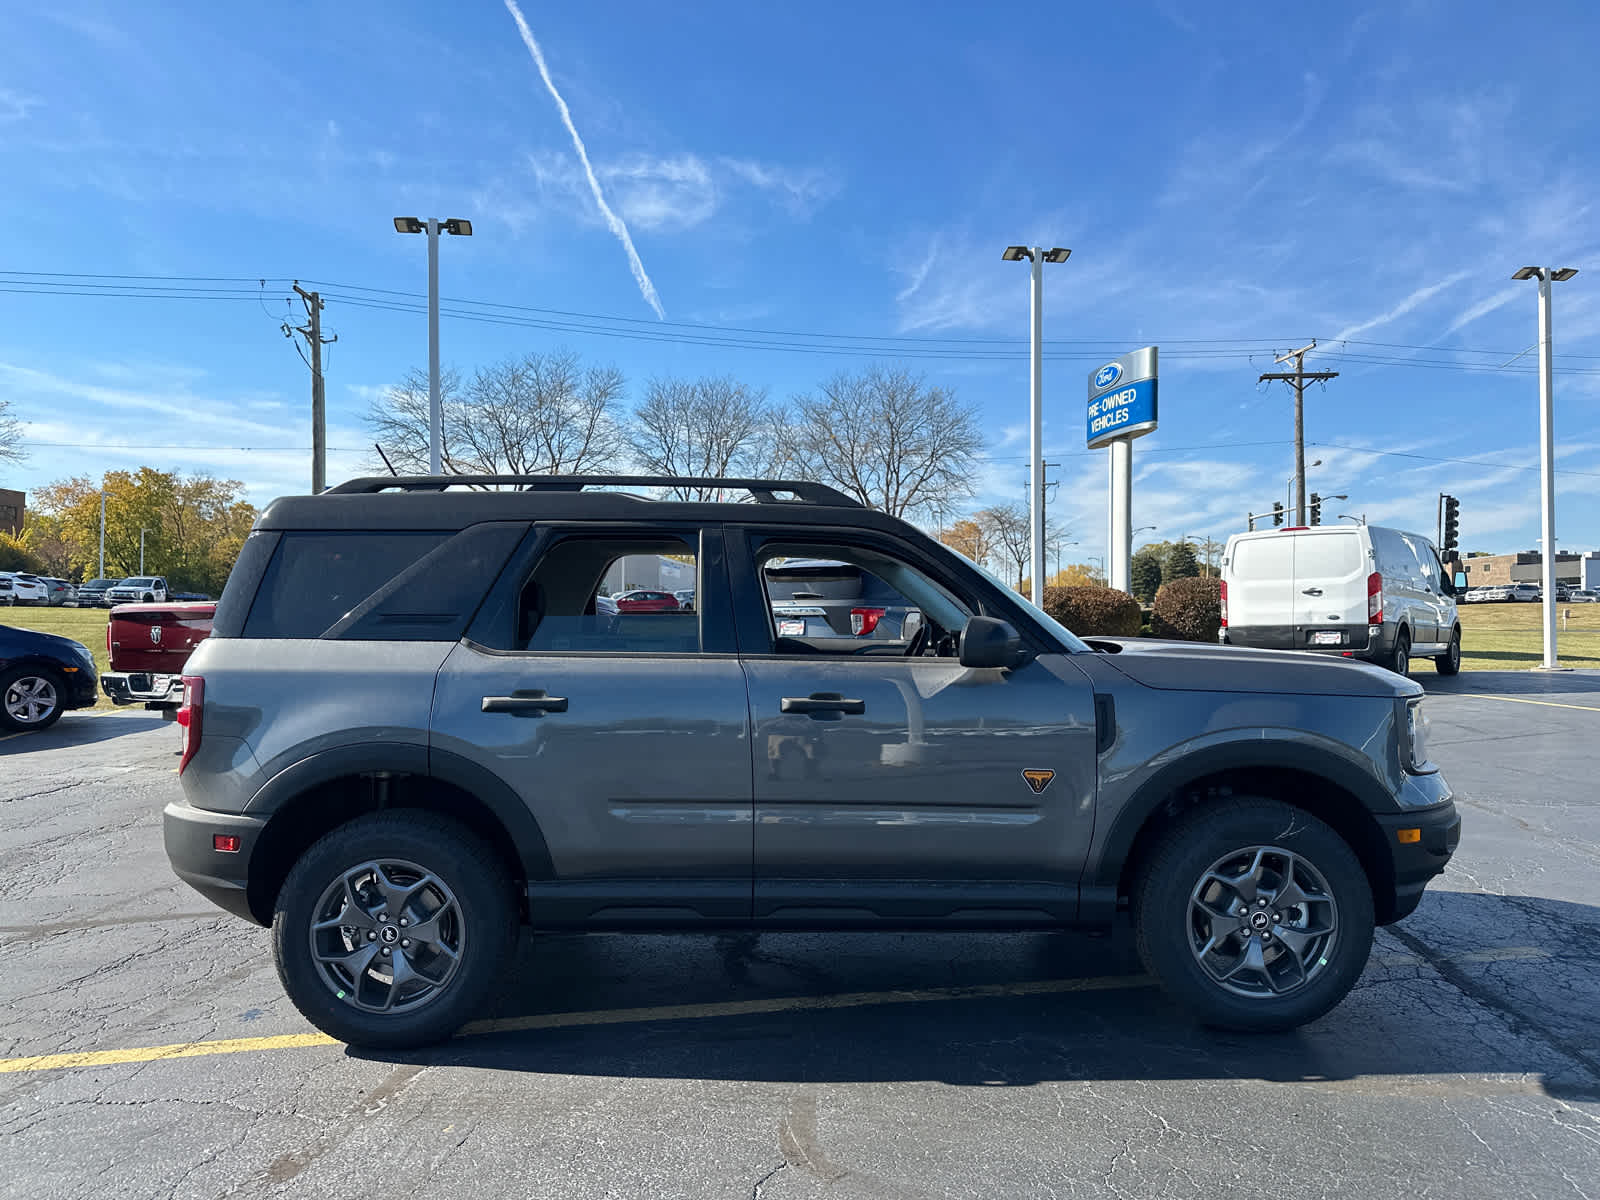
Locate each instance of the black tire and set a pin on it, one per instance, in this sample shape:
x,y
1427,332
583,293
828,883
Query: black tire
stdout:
x,y
1400,656
21,676
1166,930
1449,663
147,598
466,871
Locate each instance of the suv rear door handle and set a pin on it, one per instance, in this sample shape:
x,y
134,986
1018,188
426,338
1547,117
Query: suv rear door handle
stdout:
x,y
823,702
1311,591
533,703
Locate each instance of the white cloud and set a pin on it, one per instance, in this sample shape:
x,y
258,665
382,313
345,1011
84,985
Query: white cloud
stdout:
x,y
1412,302
15,106
1483,308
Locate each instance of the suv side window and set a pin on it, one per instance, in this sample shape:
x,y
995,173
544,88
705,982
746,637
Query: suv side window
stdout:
x,y
314,579
837,598
606,592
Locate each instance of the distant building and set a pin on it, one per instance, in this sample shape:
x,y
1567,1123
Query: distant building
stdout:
x,y
1491,570
13,510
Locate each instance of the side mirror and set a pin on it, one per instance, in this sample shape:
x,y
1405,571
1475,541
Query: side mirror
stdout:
x,y
988,642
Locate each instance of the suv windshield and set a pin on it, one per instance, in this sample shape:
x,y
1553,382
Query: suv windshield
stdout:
x,y
1069,640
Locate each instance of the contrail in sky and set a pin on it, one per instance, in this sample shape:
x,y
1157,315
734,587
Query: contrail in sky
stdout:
x,y
615,222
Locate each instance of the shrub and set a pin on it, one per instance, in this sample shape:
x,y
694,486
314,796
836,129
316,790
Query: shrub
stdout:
x,y
15,555
1091,610
1188,609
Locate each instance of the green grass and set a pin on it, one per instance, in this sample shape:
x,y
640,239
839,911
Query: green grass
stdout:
x,y
86,625
1510,637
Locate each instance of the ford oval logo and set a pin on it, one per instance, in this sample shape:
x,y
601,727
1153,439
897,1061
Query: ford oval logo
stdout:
x,y
1107,375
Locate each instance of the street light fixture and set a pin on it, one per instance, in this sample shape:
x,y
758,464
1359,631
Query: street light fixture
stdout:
x,y
1037,257
432,227
1289,506
1547,452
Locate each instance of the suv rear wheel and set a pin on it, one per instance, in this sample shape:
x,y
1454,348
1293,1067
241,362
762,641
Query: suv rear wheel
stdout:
x,y
1254,915
389,930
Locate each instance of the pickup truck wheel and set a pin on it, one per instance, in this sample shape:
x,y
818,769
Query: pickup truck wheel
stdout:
x,y
1449,663
1254,915
389,930
30,698
148,598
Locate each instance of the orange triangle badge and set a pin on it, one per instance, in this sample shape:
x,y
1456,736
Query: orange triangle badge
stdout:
x,y
1038,780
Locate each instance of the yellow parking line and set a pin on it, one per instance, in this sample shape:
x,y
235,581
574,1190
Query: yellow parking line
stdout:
x,y
572,1020
1520,700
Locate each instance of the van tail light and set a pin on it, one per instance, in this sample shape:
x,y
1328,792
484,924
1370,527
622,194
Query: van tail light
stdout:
x,y
1224,603
190,714
1374,598
864,620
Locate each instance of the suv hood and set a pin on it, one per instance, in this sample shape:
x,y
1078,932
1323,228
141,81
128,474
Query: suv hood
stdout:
x,y
1193,667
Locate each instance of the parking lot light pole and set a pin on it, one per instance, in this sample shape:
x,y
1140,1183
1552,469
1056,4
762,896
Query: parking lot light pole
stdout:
x,y
432,227
1547,453
142,532
1037,256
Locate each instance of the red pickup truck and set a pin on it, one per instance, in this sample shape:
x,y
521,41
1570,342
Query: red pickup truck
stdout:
x,y
148,644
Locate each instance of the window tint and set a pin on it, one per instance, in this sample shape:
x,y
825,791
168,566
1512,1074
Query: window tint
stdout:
x,y
1264,558
557,609
1327,555
315,579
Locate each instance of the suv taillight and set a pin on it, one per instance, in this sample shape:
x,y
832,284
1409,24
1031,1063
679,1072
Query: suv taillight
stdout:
x,y
864,620
1224,603
190,713
1374,599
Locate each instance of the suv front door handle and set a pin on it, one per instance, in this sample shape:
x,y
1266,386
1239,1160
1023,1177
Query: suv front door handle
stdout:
x,y
823,702
1311,591
534,703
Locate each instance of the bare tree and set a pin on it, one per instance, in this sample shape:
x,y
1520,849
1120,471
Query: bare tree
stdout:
x,y
703,427
888,440
544,414
10,435
1009,533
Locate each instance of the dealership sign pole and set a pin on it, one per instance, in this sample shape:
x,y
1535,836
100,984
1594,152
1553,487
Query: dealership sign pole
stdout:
x,y
1122,406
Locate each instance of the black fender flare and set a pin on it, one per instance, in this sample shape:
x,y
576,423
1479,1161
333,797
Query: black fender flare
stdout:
x,y
410,758
1106,870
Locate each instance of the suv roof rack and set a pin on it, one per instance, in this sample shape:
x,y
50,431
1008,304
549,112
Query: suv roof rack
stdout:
x,y
764,491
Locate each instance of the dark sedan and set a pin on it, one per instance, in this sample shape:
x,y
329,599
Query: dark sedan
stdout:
x,y
41,677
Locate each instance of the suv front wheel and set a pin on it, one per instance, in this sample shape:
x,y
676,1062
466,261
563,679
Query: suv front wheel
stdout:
x,y
389,930
1254,915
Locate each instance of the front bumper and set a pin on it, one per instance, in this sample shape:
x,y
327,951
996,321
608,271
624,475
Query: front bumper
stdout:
x,y
1417,862
221,877
143,687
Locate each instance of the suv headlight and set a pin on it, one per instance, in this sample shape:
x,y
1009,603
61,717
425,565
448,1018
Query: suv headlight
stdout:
x,y
1417,738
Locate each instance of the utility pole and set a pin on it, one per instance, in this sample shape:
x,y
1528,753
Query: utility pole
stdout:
x,y
1297,379
312,332
102,574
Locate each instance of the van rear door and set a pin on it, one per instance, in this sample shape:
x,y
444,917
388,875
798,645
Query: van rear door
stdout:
x,y
1260,577
1330,589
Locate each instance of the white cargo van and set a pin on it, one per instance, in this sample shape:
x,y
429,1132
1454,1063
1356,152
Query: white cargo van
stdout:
x,y
1360,591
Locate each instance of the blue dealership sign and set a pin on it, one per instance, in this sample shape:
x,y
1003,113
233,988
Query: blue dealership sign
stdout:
x,y
1122,398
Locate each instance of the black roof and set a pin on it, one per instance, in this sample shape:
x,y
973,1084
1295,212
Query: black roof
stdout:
x,y
452,502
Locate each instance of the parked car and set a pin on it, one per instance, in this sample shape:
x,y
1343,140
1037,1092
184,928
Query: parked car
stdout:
x,y
1357,591
93,593
645,600
148,645
25,589
41,677
816,598
685,599
1530,593
1497,594
1472,596
1562,592
141,589
394,766
61,592
1585,596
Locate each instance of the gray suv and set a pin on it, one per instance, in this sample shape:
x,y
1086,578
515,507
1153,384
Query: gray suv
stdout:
x,y
415,727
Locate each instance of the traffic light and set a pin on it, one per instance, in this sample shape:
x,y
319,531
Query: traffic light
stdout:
x,y
1452,525
1277,512
1316,509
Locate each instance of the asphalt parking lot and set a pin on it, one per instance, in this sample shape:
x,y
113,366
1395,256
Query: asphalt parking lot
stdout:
x,y
1465,1064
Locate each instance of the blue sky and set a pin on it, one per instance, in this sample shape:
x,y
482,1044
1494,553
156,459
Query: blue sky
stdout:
x,y
1232,179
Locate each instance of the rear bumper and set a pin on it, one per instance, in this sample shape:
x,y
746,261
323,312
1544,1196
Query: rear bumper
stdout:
x,y
220,877
143,687
1357,640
